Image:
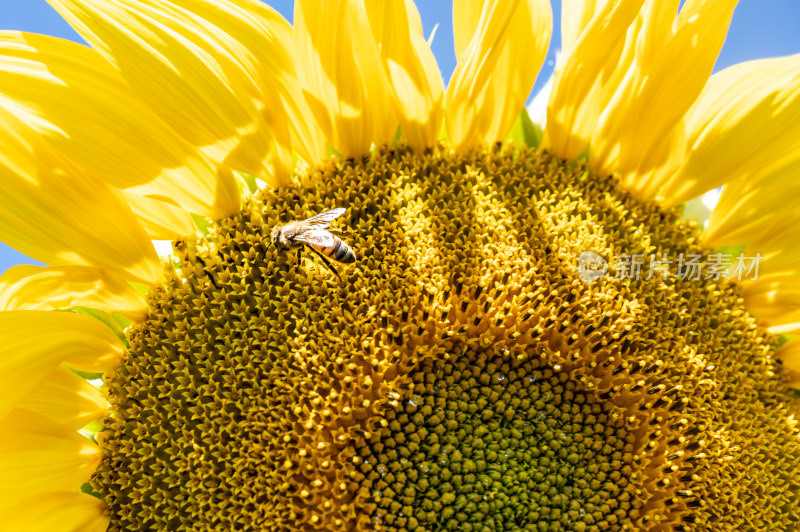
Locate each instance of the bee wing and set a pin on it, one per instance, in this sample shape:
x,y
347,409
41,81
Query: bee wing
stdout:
x,y
324,219
316,238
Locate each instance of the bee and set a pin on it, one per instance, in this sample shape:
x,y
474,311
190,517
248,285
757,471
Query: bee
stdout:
x,y
313,233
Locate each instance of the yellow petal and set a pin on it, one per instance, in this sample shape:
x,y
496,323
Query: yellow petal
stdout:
x,y
468,17
579,91
496,66
106,128
265,34
199,79
26,287
789,354
775,301
748,207
38,455
745,123
576,15
160,219
774,297
66,398
51,210
341,73
61,511
411,67
33,343
672,63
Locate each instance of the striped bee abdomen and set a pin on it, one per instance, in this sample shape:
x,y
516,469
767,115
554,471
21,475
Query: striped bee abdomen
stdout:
x,y
340,252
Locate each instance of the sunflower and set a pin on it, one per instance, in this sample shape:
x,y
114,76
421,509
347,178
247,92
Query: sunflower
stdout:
x,y
521,343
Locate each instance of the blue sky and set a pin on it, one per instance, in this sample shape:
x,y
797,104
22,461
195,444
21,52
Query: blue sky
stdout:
x,y
760,28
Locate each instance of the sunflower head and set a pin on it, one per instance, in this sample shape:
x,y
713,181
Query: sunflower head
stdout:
x,y
462,374
487,362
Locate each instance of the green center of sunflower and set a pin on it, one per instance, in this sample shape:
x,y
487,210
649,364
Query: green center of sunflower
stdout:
x,y
464,374
496,444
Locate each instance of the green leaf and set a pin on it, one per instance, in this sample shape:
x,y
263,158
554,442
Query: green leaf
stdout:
x,y
246,182
443,133
330,150
87,375
90,429
524,132
733,251
140,288
89,490
202,223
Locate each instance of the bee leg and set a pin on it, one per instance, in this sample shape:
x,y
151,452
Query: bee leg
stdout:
x,y
299,258
327,262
